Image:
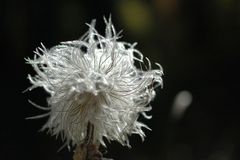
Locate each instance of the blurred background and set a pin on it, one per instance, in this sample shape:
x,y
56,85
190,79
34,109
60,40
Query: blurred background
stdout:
x,y
196,115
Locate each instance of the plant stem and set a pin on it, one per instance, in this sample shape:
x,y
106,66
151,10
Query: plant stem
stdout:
x,y
87,150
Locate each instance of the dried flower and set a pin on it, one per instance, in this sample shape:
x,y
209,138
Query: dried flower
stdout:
x,y
95,79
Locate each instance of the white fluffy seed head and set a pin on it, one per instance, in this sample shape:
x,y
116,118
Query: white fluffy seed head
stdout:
x,y
94,79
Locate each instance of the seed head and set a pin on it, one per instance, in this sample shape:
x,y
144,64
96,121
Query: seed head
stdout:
x,y
95,79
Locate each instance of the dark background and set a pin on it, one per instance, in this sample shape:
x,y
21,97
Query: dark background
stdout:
x,y
196,42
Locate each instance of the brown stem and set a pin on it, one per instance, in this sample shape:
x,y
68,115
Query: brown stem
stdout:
x,y
80,153
87,150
